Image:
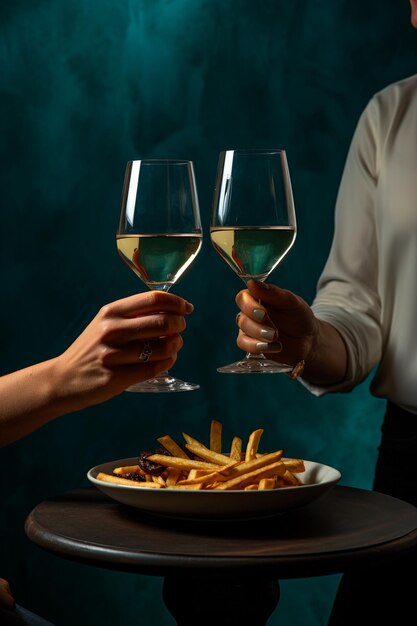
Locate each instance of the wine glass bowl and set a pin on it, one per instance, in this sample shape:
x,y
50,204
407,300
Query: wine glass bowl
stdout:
x,y
159,234
253,225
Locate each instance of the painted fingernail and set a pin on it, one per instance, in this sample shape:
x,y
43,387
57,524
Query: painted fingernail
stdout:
x,y
270,347
267,334
258,314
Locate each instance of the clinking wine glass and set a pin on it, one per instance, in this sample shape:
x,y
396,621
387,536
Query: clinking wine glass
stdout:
x,y
159,234
253,226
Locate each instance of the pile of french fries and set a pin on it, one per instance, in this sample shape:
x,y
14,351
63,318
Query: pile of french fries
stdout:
x,y
207,468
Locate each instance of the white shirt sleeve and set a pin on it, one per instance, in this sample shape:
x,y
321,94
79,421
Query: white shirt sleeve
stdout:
x,y
347,295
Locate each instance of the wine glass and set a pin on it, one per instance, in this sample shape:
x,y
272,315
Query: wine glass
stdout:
x,y
253,226
159,234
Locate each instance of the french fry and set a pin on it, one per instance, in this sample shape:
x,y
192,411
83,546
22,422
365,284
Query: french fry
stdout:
x,y
274,469
193,486
236,449
174,461
248,466
108,478
169,444
197,473
216,436
294,465
173,476
253,443
291,479
217,476
192,441
129,469
267,483
208,455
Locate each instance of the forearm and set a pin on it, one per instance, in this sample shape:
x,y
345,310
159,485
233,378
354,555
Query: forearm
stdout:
x,y
29,400
327,362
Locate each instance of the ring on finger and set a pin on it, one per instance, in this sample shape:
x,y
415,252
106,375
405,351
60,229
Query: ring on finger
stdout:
x,y
146,353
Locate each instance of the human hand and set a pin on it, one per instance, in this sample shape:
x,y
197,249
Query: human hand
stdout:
x,y
276,322
6,599
109,355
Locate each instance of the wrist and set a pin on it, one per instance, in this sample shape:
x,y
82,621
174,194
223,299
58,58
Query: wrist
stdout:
x,y
54,397
314,349
63,395
310,353
326,361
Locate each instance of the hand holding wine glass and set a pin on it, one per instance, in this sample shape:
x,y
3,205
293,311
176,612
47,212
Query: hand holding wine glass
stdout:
x,y
253,226
159,235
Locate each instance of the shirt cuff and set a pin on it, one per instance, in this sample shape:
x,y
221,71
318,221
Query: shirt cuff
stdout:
x,y
361,335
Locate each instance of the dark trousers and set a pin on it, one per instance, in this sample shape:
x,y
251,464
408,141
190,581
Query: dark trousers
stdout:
x,y
386,594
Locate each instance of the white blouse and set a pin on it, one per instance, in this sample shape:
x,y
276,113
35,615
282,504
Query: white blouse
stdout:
x,y
368,288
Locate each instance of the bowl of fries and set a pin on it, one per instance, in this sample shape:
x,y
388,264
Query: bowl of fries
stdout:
x,y
197,481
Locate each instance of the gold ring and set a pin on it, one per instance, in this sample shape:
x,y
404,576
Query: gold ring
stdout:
x,y
297,370
145,355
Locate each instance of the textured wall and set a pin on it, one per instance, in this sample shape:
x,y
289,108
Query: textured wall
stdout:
x,y
88,84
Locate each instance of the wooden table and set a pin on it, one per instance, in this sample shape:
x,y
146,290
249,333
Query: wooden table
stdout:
x,y
226,572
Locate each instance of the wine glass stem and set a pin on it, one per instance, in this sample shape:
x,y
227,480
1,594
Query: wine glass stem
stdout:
x,y
258,356
162,376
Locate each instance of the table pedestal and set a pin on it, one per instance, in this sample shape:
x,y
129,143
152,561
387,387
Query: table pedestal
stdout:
x,y
221,602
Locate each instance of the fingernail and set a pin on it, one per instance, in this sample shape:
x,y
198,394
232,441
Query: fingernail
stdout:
x,y
189,307
258,314
267,334
261,284
270,347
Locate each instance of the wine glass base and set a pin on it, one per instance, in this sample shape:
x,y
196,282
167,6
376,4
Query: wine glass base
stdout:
x,y
255,366
163,384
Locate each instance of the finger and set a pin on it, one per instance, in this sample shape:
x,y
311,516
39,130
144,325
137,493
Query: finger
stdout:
x,y
145,327
249,344
147,302
137,351
251,307
272,294
260,332
4,585
287,349
279,308
6,599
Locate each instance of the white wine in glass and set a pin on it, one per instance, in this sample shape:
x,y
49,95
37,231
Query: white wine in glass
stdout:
x,y
253,226
159,234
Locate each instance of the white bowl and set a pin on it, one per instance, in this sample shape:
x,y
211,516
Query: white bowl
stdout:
x,y
318,479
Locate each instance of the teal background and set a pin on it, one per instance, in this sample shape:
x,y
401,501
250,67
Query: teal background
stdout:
x,y
87,85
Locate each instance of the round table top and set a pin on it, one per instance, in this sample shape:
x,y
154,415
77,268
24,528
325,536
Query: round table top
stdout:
x,y
343,529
